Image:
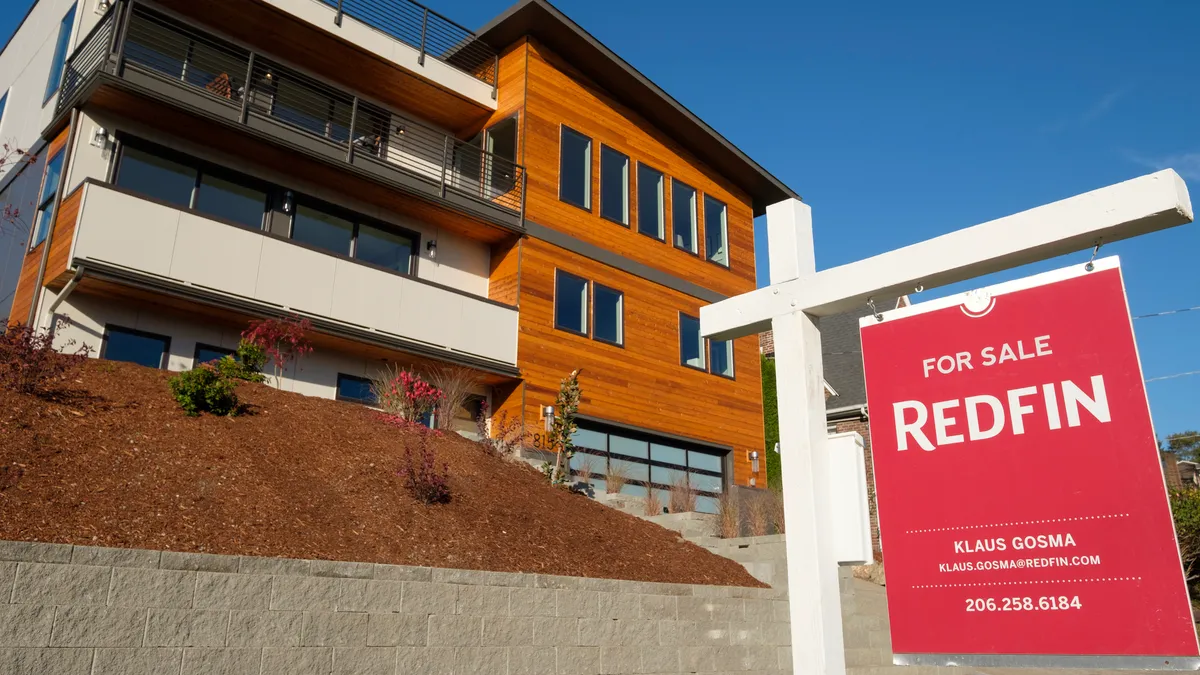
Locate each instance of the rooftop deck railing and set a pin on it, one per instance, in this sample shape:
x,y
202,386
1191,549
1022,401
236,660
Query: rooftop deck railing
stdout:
x,y
133,37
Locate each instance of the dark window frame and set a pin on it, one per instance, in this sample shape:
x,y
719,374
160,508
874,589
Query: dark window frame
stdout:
x,y
628,186
587,309
357,220
490,169
212,348
43,209
706,198
620,316
337,390
62,52
663,187
695,219
166,340
725,474
732,359
703,343
562,131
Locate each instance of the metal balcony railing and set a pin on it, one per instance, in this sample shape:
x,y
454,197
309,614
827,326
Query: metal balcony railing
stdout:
x,y
132,36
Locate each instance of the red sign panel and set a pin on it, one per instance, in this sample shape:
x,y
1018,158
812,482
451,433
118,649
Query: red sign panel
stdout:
x,y
1021,501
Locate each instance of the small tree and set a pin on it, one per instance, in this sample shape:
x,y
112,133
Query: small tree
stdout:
x,y
29,363
503,436
456,385
562,429
283,340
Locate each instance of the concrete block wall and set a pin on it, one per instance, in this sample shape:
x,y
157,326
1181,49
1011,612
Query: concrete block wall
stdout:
x,y
77,610
765,557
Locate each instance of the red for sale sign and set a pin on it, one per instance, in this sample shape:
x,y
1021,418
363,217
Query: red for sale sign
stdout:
x,y
1022,507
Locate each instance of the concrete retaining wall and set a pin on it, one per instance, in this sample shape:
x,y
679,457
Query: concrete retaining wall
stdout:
x,y
764,557
75,610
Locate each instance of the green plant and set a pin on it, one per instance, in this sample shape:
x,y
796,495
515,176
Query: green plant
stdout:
x,y
245,364
771,422
1185,509
204,389
563,428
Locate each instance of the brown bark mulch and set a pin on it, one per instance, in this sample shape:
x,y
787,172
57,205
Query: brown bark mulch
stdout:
x,y
110,460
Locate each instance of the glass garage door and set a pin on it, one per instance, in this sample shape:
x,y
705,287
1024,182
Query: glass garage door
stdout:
x,y
648,462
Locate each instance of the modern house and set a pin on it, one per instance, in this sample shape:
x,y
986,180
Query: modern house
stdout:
x,y
518,201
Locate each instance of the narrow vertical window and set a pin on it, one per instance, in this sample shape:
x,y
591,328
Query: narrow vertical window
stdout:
x,y
614,185
691,345
501,140
45,213
570,303
716,232
608,315
683,216
650,207
3,103
575,169
60,53
720,357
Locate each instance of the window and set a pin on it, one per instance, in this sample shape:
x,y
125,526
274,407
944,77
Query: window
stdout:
x,y
650,209
233,201
45,213
720,357
354,389
60,54
208,354
614,185
3,104
608,315
385,249
691,345
322,230
649,462
501,142
683,216
570,303
575,169
135,346
157,177
716,232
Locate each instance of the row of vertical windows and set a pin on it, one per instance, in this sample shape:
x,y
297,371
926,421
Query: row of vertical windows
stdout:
x,y
588,308
693,348
575,187
191,184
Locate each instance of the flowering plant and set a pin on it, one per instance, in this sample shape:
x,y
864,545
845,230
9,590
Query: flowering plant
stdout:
x,y
404,393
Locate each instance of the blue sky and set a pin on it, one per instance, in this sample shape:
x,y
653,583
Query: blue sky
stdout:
x,y
901,121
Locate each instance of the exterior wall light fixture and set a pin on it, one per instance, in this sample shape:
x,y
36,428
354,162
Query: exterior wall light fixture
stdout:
x,y
431,247
548,416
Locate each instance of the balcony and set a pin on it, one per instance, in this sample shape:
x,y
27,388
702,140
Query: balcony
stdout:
x,y
176,252
157,57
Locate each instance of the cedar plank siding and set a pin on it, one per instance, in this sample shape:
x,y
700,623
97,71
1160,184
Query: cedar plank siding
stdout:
x,y
641,384
23,296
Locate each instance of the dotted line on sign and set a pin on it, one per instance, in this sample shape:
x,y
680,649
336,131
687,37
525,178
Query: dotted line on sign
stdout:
x,y
1026,583
1018,522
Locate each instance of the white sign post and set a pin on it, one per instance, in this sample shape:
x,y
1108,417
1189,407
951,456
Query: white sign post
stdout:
x,y
799,295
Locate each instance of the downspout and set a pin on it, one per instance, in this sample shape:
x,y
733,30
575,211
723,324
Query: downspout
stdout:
x,y
62,295
69,149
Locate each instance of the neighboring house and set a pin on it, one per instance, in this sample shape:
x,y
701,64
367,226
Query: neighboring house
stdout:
x,y
845,389
517,201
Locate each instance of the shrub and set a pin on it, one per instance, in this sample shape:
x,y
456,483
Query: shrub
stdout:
x,y
245,364
420,473
586,468
456,385
653,503
729,517
29,363
281,340
775,509
1185,508
683,495
618,477
758,514
403,392
204,389
562,429
503,437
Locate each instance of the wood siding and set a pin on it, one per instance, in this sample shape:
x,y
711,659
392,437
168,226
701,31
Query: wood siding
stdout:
x,y
641,384
557,95
26,292
59,263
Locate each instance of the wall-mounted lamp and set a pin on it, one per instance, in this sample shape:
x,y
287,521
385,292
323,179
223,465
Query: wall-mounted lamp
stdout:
x,y
289,202
102,6
431,247
548,416
754,462
99,137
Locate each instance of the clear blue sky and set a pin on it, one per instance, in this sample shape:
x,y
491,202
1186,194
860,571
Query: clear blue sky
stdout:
x,y
902,121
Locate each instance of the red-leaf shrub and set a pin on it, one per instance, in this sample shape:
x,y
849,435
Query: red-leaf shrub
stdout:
x,y
29,363
404,393
420,472
283,340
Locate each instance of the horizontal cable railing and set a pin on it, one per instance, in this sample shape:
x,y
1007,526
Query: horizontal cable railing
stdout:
x,y
89,56
257,85
420,27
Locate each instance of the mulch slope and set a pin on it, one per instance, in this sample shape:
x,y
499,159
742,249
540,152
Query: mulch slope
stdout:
x,y
111,461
